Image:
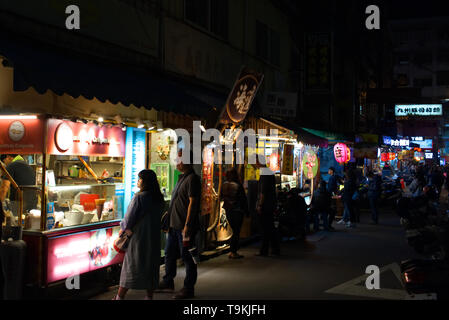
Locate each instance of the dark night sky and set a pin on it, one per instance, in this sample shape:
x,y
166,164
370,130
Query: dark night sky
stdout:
x,y
404,9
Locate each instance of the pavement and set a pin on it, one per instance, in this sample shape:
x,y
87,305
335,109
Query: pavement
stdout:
x,y
327,266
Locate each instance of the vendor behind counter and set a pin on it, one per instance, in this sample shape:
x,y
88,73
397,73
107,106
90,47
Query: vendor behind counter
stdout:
x,y
24,175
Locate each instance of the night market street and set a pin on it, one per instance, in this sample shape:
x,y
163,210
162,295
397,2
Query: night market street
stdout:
x,y
305,271
224,150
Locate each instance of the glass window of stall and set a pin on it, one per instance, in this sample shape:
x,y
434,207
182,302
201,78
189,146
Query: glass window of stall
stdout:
x,y
21,189
162,160
85,174
21,152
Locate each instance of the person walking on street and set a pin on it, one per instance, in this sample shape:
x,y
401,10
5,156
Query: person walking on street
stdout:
x,y
183,217
140,269
333,188
374,189
347,197
236,206
321,204
437,179
266,205
334,181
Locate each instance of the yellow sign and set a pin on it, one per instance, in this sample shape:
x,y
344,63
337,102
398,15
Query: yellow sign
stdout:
x,y
287,159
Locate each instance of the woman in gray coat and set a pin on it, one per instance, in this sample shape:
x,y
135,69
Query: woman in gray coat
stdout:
x,y
140,269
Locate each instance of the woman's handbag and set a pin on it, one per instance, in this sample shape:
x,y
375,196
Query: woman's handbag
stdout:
x,y
121,243
165,222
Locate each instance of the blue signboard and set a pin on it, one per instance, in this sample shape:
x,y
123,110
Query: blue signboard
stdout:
x,y
134,161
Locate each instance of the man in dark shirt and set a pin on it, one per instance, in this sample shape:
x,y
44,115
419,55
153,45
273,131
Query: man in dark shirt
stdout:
x,y
24,175
266,205
184,224
334,181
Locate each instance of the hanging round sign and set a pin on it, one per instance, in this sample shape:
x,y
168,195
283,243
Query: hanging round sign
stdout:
x,y
310,164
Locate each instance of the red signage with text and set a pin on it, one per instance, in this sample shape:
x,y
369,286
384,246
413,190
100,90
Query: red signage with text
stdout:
x,y
21,135
73,138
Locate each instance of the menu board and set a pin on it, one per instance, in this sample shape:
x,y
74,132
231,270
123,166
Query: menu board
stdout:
x,y
134,161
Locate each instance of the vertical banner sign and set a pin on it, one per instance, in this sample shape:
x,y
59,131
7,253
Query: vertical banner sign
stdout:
x,y
287,159
134,161
318,67
241,97
207,186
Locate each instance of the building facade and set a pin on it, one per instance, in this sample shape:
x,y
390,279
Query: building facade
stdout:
x,y
198,45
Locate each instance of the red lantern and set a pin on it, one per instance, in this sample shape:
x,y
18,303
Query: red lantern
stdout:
x,y
342,153
274,162
385,157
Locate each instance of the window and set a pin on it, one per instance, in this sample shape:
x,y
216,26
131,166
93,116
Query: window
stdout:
x,y
420,83
219,17
211,15
268,44
262,40
423,59
271,99
443,78
281,102
275,52
443,56
403,59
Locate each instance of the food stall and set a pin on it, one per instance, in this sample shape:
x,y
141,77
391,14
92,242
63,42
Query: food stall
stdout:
x,y
71,215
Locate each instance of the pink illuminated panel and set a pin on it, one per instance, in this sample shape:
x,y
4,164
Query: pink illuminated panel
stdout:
x,y
80,253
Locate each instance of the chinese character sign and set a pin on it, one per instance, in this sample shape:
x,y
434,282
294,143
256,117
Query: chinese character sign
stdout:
x,y
241,97
419,110
318,66
287,159
342,153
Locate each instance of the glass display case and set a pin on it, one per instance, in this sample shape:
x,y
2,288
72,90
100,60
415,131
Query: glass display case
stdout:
x,y
162,160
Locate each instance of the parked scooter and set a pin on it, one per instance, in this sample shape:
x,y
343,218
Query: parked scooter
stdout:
x,y
391,192
428,233
290,215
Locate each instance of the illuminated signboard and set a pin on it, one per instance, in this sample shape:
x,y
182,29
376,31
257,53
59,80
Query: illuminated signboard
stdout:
x,y
70,138
81,252
134,160
21,135
400,143
419,110
429,155
426,144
